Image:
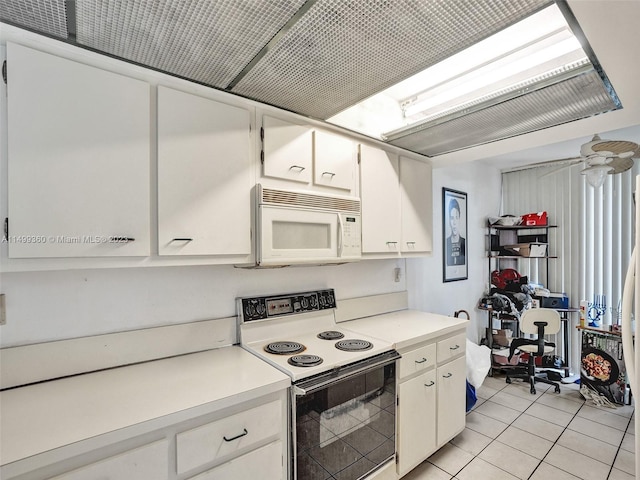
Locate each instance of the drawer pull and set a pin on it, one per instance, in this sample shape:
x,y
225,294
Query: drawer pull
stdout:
x,y
244,432
329,174
186,240
448,375
421,361
430,384
455,347
298,168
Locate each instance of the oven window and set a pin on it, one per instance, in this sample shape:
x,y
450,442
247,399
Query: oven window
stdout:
x,y
347,429
300,236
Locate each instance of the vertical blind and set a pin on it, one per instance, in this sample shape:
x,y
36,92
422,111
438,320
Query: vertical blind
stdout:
x,y
594,235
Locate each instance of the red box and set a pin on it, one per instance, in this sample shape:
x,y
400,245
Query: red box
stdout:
x,y
535,219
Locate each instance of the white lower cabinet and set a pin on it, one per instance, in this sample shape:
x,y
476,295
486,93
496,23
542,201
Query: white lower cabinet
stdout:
x,y
264,463
431,398
416,420
451,399
248,440
149,462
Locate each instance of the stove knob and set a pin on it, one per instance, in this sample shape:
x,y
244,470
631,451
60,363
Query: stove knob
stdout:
x,y
322,301
313,301
305,303
332,301
260,309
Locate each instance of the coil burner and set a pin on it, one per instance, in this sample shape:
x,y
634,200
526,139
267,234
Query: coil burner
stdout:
x,y
304,360
353,345
330,335
284,348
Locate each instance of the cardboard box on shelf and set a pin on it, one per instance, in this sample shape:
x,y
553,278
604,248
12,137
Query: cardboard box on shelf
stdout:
x,y
528,249
502,337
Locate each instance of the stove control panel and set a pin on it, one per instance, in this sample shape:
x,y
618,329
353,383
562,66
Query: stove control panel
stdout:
x,y
260,308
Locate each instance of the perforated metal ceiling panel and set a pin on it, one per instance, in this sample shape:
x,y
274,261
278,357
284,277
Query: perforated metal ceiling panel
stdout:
x,y
209,41
49,17
342,51
573,99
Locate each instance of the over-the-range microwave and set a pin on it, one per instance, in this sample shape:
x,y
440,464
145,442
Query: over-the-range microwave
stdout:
x,y
305,227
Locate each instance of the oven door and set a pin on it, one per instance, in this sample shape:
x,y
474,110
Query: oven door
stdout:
x,y
345,421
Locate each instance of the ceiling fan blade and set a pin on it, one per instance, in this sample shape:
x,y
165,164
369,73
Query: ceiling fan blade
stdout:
x,y
619,165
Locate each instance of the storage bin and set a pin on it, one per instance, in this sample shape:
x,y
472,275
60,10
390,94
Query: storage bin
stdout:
x,y
535,219
528,249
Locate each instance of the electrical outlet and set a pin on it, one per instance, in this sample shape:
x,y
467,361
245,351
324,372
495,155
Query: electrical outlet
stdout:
x,y
3,310
397,273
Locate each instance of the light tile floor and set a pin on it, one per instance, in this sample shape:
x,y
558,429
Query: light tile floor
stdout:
x,y
511,435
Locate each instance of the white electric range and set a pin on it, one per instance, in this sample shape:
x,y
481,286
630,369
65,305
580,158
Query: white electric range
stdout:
x,y
343,397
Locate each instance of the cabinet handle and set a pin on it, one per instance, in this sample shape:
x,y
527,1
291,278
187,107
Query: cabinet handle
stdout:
x,y
244,432
121,239
430,384
454,348
329,173
392,243
297,167
182,240
448,375
421,361
411,243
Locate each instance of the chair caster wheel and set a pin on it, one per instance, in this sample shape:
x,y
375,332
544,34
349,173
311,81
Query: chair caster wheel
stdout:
x,y
508,380
557,389
533,391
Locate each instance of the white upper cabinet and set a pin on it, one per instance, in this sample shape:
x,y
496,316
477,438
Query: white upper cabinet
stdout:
x,y
204,176
335,161
78,159
416,205
286,150
295,155
380,194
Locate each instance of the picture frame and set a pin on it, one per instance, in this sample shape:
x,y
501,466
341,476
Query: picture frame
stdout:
x,y
455,263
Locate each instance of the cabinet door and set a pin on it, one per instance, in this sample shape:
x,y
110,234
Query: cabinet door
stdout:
x,y
150,462
287,150
204,176
416,420
380,193
265,463
416,209
451,399
79,159
334,162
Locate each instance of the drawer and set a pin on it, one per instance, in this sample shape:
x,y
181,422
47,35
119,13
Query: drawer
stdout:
x,y
417,360
265,463
452,347
149,462
214,440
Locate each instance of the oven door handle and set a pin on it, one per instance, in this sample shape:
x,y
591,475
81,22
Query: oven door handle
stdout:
x,y
305,387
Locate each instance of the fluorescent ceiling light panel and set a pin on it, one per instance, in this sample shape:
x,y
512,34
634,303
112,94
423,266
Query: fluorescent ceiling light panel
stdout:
x,y
534,50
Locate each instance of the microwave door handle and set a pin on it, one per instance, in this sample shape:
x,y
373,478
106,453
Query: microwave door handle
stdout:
x,y
340,234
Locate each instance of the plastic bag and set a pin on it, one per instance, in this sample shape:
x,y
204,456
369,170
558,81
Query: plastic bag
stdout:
x,y
478,363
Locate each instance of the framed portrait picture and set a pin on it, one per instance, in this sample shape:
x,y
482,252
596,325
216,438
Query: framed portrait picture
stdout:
x,y
454,233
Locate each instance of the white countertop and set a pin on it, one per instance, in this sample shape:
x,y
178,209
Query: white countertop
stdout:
x,y
406,327
44,416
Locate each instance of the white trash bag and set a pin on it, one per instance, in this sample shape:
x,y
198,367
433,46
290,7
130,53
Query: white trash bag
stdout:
x,y
478,363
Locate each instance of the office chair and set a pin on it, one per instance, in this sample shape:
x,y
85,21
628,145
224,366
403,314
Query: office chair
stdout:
x,y
540,321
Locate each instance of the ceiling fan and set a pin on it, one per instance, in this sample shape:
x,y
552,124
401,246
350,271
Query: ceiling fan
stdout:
x,y
607,157
601,158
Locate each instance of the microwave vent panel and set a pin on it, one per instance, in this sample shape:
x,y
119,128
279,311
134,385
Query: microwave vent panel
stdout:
x,y
288,198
